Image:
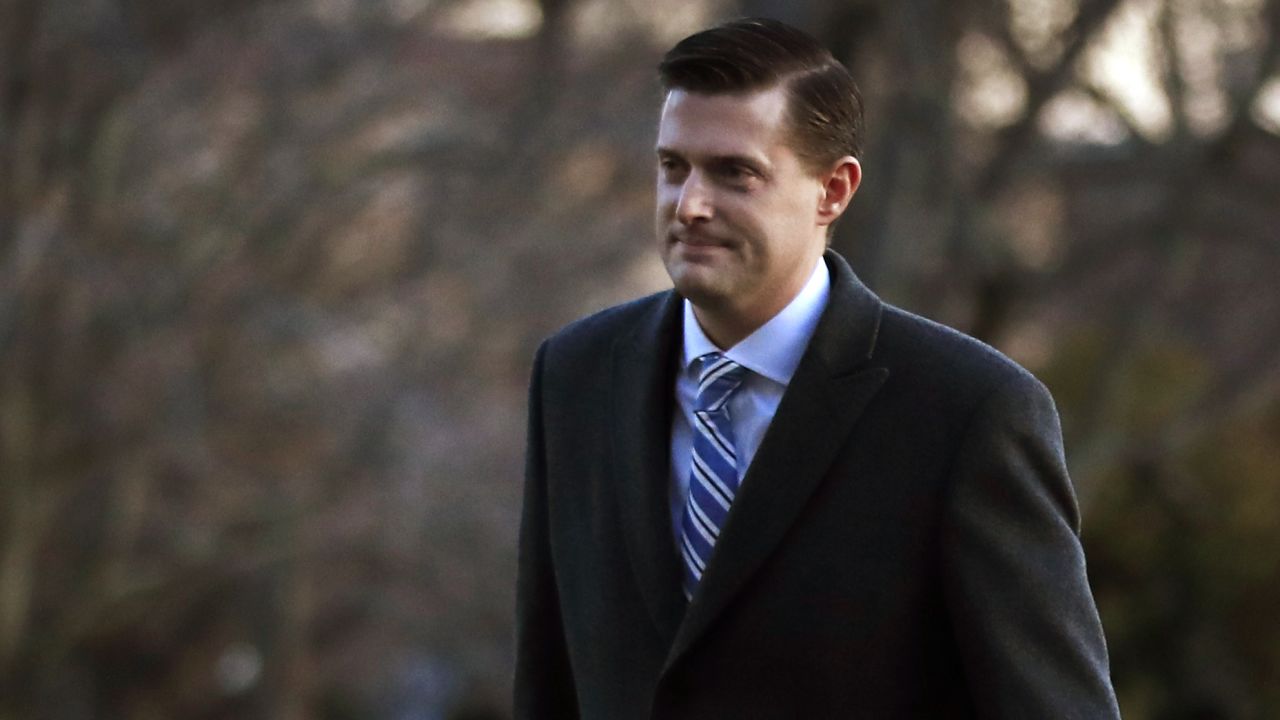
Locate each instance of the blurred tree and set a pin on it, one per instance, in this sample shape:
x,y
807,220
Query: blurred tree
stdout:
x,y
271,274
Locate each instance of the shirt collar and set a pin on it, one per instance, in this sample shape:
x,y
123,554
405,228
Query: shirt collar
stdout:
x,y
775,348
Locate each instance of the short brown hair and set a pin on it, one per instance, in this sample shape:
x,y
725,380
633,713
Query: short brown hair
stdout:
x,y
757,53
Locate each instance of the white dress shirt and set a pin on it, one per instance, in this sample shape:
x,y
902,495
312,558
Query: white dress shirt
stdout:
x,y
771,354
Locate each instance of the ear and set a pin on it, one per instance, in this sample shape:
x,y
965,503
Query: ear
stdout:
x,y
839,185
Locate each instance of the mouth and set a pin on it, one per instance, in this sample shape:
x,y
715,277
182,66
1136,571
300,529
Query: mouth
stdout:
x,y
697,241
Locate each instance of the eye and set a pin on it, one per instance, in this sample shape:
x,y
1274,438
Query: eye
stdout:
x,y
670,168
737,174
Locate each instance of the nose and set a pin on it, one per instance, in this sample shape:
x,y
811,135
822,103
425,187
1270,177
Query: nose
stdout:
x,y
694,204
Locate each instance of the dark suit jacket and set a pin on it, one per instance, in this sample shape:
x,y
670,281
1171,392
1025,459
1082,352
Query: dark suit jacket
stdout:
x,y
904,544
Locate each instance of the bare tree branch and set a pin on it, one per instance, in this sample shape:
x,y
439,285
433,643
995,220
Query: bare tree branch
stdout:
x,y
1171,266
1018,138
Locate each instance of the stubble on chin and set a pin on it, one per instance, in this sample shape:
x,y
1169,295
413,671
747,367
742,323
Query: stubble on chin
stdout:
x,y
704,286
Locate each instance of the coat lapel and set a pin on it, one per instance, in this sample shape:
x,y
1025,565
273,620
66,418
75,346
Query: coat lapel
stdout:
x,y
643,399
831,386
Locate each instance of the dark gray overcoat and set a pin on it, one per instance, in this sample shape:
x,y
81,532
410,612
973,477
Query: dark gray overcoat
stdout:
x,y
904,545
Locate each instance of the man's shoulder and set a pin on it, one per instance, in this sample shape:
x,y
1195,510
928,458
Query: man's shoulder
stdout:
x,y
945,358
598,331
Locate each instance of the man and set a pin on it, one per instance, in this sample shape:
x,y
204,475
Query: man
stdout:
x,y
767,494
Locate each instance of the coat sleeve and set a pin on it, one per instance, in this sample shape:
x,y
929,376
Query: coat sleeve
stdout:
x,y
544,688
1026,625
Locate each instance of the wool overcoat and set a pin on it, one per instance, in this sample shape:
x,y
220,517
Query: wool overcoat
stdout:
x,y
905,543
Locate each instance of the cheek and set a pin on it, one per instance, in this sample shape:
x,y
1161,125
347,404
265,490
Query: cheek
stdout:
x,y
665,198
765,220
796,215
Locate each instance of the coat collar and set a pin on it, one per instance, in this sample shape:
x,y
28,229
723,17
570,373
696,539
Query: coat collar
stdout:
x,y
833,383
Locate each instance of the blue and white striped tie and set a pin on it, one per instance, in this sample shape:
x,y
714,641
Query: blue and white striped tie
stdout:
x,y
713,479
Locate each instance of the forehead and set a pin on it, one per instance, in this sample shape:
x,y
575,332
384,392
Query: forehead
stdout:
x,y
726,123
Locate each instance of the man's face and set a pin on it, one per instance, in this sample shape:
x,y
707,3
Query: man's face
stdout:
x,y
738,222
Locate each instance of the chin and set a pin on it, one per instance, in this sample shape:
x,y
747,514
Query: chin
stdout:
x,y
703,286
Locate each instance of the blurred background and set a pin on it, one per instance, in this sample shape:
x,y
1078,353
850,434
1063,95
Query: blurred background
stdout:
x,y
272,274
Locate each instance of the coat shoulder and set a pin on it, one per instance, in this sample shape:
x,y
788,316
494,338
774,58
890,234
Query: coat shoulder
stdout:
x,y
944,361
596,333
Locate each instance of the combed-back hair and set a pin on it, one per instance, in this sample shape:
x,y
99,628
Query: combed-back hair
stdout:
x,y
755,54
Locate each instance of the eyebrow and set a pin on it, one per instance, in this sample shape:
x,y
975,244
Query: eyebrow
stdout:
x,y
719,159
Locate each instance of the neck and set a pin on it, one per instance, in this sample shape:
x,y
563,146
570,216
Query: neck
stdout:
x,y
724,329
726,324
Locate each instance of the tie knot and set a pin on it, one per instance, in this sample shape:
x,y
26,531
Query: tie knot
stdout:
x,y
720,376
